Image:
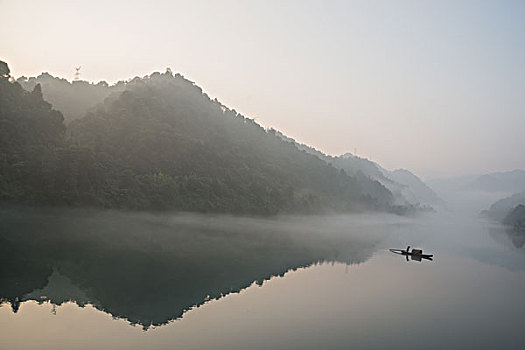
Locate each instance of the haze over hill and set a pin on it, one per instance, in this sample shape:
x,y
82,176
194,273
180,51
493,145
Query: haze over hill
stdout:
x,y
160,142
406,187
73,99
503,207
507,181
484,191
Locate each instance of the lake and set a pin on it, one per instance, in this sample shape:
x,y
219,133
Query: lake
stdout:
x,y
88,279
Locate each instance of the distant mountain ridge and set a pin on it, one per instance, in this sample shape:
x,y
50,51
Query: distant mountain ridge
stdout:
x,y
415,186
500,181
501,209
406,187
510,211
508,181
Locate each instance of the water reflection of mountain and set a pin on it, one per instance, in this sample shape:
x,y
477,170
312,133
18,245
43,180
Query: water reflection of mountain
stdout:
x,y
507,235
151,269
509,251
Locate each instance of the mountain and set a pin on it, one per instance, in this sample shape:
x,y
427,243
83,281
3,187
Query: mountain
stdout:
x,y
76,98
407,188
415,187
509,181
501,209
162,143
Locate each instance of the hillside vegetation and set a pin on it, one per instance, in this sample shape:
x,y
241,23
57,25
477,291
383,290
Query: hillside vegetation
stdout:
x,y
162,143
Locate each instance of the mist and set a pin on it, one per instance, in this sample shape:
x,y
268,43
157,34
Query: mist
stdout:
x,y
262,175
205,257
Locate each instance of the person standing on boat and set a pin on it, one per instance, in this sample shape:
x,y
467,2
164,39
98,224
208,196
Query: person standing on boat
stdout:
x,y
408,249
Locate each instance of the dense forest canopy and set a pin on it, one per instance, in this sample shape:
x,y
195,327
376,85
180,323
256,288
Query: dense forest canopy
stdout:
x,y
31,142
159,142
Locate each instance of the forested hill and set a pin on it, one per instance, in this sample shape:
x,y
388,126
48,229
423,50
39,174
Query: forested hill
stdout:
x,y
500,209
164,144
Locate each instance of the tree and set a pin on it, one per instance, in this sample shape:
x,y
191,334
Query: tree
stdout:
x,y
4,70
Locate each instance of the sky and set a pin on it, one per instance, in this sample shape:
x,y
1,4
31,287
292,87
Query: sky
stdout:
x,y
436,87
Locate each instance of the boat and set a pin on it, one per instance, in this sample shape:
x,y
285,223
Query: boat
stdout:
x,y
415,254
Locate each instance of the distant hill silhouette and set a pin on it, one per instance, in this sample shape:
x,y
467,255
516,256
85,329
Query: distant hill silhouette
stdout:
x,y
502,208
509,181
416,189
406,187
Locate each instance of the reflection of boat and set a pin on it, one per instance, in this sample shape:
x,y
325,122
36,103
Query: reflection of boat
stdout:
x,y
415,254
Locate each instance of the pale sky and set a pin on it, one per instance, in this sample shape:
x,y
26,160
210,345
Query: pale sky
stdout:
x,y
437,87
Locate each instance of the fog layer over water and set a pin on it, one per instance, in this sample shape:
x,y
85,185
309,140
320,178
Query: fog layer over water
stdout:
x,y
222,282
150,268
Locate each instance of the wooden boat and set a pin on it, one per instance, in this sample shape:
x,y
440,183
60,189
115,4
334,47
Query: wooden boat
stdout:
x,y
414,253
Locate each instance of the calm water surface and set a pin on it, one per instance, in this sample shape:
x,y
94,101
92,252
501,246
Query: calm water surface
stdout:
x,y
93,280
